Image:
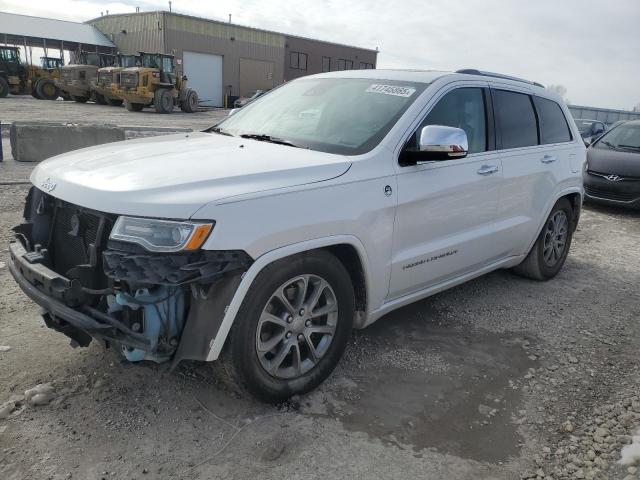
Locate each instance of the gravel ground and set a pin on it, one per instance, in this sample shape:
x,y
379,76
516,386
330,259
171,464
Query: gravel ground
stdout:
x,y
27,108
500,378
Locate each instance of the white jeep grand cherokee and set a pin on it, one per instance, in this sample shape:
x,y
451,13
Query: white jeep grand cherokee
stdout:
x,y
316,209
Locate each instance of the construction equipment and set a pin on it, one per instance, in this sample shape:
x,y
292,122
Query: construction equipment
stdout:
x,y
155,83
23,79
76,79
108,80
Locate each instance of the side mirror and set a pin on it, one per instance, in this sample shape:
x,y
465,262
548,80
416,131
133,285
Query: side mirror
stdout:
x,y
438,142
587,143
232,111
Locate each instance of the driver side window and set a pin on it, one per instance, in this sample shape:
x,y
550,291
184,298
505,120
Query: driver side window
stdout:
x,y
460,108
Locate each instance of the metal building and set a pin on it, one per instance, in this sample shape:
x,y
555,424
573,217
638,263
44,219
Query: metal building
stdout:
x,y
50,34
225,60
603,114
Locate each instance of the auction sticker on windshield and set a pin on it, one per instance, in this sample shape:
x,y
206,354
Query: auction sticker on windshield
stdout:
x,y
391,90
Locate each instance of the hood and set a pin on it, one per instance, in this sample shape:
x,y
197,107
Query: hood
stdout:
x,y
615,162
172,176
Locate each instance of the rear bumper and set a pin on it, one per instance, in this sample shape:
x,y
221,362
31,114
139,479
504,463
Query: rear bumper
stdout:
x,y
48,289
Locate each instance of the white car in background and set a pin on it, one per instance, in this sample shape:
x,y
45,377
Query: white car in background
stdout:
x,y
242,101
316,209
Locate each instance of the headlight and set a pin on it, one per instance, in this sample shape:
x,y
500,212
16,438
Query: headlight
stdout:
x,y
161,235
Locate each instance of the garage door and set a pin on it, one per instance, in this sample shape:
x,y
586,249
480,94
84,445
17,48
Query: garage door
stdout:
x,y
204,72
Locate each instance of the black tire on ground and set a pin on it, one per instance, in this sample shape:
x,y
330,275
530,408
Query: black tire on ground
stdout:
x,y
190,102
34,90
133,107
163,101
4,87
47,90
79,99
114,102
99,99
240,358
535,266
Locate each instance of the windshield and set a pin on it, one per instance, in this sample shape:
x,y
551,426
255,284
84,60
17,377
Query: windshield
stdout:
x,y
10,55
623,137
348,116
128,61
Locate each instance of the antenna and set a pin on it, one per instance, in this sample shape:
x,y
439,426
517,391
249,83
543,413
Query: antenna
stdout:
x,y
169,6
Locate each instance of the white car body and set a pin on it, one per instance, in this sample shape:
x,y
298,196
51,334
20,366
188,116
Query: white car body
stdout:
x,y
417,229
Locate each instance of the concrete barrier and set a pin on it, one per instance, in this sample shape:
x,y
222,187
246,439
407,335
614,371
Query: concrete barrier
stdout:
x,y
36,141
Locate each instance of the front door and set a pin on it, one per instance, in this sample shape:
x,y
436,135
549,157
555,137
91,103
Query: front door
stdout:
x,y
446,209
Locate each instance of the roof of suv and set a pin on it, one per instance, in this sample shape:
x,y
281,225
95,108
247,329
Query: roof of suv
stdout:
x,y
427,76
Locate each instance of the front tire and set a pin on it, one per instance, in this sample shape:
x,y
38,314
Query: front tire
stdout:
x,y
550,251
190,102
292,327
4,88
163,101
47,89
79,99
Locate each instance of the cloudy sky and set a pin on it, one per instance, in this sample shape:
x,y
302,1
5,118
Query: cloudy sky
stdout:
x,y
592,47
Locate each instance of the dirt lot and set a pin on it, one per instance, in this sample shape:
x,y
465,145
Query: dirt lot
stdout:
x,y
501,378
26,108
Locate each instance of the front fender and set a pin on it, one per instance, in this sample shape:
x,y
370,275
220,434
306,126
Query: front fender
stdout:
x,y
216,345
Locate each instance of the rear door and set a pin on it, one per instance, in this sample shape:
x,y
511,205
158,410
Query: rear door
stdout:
x,y
446,209
534,141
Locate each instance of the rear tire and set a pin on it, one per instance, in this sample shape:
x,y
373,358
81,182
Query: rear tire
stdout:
x,y
317,312
34,90
79,99
4,88
190,102
163,101
133,107
548,254
47,90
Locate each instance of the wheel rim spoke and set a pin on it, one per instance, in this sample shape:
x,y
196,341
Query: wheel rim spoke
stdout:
x,y
296,326
555,238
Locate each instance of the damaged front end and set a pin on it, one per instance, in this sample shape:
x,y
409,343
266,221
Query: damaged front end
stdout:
x,y
151,299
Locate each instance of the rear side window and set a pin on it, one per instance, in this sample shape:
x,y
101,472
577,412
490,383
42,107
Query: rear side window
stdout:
x,y
516,119
553,124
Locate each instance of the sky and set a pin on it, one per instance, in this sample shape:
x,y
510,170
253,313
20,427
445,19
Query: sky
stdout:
x,y
591,47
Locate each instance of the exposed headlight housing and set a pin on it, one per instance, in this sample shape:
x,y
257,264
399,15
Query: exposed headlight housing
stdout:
x,y
161,235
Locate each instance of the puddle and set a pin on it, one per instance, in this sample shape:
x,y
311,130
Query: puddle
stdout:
x,y
458,401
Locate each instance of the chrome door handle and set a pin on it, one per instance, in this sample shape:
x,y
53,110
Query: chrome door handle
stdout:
x,y
487,169
549,159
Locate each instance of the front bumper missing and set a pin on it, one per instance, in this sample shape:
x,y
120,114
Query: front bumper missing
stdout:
x,y
46,288
213,278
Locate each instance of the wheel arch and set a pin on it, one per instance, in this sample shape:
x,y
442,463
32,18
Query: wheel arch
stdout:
x,y
347,248
574,195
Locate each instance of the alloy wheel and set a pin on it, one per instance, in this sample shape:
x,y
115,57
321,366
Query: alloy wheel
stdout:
x,y
555,238
296,326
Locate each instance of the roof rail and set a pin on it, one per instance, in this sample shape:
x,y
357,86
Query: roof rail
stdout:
x,y
473,71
